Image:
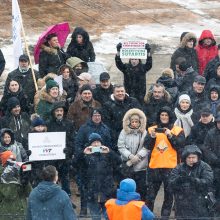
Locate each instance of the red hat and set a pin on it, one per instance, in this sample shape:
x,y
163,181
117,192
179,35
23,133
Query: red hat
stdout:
x,y
4,156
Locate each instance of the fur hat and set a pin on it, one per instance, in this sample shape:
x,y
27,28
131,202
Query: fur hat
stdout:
x,y
184,97
94,137
168,72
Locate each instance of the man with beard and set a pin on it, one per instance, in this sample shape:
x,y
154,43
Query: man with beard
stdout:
x,y
165,141
59,123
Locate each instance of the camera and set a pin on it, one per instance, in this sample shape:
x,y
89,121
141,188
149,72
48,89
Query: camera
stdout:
x,y
160,130
96,149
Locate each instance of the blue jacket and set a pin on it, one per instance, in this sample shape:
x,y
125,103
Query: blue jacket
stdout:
x,y
128,194
48,201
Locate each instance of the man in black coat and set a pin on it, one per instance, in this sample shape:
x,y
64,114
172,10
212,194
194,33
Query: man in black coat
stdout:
x,y
156,98
201,128
190,182
24,76
2,62
134,73
212,156
103,91
115,109
59,123
209,71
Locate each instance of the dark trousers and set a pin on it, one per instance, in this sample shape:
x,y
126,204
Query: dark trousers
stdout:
x,y
155,178
63,171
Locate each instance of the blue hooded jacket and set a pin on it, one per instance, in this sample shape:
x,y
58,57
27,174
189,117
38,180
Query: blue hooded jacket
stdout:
x,y
127,193
48,201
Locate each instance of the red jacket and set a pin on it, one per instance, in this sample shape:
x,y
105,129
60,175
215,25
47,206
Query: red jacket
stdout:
x,y
205,54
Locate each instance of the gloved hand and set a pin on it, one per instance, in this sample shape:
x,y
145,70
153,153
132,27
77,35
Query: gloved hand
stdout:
x,y
131,156
28,152
148,48
135,159
129,163
119,45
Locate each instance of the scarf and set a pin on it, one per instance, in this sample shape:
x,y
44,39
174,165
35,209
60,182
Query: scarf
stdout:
x,y
184,120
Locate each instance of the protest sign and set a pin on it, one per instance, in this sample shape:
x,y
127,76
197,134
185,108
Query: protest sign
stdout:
x,y
133,50
95,69
47,145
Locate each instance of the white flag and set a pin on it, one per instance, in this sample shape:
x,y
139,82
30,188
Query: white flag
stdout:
x,y
16,32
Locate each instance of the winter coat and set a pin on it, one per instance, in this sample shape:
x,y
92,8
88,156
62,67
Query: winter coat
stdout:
x,y
64,125
102,95
199,132
134,77
215,80
2,62
185,82
20,128
214,105
50,60
151,106
190,185
82,137
19,95
99,174
46,102
209,71
83,51
113,113
198,102
170,86
79,111
49,201
188,53
26,81
205,54
125,196
13,199
130,141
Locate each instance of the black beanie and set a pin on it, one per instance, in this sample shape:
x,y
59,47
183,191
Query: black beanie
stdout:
x,y
184,66
85,87
96,111
12,103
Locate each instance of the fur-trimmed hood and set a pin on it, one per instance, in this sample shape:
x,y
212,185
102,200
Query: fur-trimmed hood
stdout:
x,y
48,49
149,96
127,116
80,31
47,97
186,38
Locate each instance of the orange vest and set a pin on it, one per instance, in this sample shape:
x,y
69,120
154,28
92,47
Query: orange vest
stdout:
x,y
163,154
130,211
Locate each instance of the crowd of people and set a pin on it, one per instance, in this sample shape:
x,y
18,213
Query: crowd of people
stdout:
x,y
167,134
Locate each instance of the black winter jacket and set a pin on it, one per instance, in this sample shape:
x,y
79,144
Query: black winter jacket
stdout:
x,y
209,71
102,95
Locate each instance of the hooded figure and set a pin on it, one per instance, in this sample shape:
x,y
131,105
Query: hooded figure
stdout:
x,y
186,51
206,49
127,205
216,79
8,143
190,182
130,146
81,46
214,99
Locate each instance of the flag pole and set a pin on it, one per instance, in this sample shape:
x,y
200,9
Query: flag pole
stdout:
x,y
28,53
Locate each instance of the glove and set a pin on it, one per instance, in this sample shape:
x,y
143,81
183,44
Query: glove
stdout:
x,y
28,152
131,156
129,163
135,159
147,47
119,45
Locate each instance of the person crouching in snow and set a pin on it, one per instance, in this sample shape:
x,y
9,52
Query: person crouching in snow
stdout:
x,y
130,146
100,162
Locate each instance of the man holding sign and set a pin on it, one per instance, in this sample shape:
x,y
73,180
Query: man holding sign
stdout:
x,y
134,71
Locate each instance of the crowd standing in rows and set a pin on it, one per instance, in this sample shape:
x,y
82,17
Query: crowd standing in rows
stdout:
x,y
168,133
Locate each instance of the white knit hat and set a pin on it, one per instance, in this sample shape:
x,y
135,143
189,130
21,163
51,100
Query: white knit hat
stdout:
x,y
184,97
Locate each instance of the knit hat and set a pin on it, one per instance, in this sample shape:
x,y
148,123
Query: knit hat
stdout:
x,y
128,185
200,79
36,120
168,72
85,76
184,66
85,87
184,97
94,137
50,83
96,111
4,156
12,103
